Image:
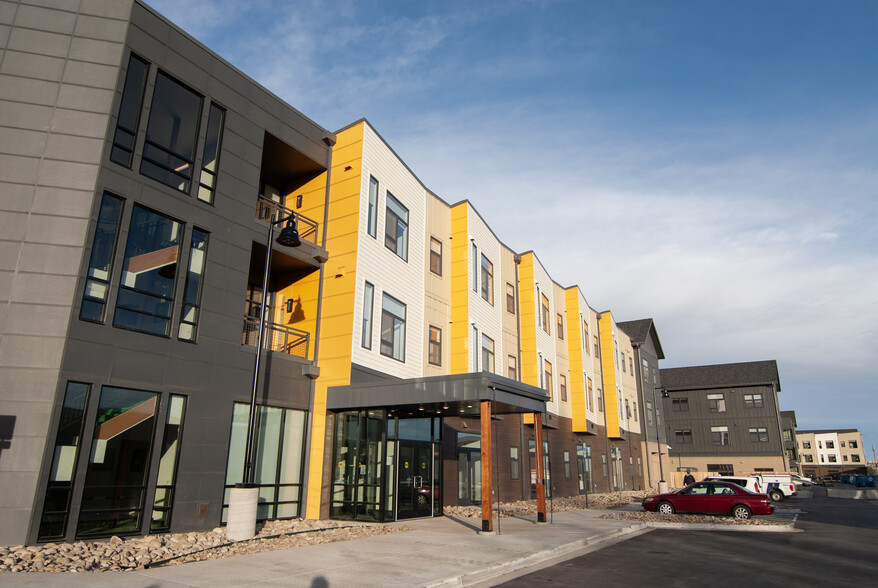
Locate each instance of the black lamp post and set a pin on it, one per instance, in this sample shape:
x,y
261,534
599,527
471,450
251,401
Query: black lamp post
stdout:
x,y
289,237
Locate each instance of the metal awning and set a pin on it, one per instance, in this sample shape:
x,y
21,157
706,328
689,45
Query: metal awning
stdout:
x,y
457,395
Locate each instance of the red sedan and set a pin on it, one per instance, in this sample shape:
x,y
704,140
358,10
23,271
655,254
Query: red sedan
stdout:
x,y
711,497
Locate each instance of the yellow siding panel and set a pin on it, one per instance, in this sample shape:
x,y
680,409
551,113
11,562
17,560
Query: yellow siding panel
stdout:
x,y
574,346
459,342
608,369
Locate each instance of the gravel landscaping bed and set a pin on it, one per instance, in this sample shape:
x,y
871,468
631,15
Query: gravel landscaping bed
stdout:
x,y
654,517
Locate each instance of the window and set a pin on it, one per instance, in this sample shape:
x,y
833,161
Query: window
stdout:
x,y
808,458
545,312
597,348
562,385
634,408
194,282
649,412
372,218
719,435
753,400
559,322
658,417
585,339
392,328
129,112
487,354
853,445
512,367
436,256
833,458
167,475
435,352
604,464
475,349
683,436
680,404
475,259
146,292
806,445
830,445
600,400
644,368
627,409
855,457
567,469
590,393
787,435
210,154
548,379
67,443
487,280
842,443
844,457
510,298
514,463
716,403
100,265
623,362
631,365
396,228
171,134
368,306
758,435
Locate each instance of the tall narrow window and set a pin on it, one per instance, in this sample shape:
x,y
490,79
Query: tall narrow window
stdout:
x,y
590,392
514,463
67,442
562,385
585,340
393,328
116,476
436,256
194,283
560,326
512,367
544,307
567,468
396,227
372,219
487,354
548,379
171,134
435,351
600,400
475,262
100,264
368,302
170,454
146,292
475,348
510,298
129,112
597,347
487,280
211,153
649,412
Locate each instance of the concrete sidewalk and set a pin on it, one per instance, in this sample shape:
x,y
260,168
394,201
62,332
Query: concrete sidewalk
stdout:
x,y
436,552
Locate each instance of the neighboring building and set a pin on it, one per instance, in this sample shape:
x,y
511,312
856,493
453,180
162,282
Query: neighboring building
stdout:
x,y
137,171
790,444
724,418
647,352
825,451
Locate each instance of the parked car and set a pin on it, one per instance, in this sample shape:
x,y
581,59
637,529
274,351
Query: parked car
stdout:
x,y
751,483
711,497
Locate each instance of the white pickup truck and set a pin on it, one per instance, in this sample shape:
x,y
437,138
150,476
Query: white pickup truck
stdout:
x,y
777,486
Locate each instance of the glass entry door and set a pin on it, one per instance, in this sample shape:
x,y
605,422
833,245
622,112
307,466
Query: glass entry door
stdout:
x,y
415,487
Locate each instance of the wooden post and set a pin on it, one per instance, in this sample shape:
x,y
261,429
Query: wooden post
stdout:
x,y
487,468
541,475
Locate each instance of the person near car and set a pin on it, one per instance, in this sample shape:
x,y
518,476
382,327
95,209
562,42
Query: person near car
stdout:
x,y
688,479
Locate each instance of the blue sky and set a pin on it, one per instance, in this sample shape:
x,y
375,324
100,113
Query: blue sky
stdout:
x,y
710,164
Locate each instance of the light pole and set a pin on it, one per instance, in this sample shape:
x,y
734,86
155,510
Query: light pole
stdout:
x,y
244,497
662,485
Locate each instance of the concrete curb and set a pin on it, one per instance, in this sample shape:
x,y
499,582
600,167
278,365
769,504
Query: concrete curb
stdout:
x,y
859,494
514,565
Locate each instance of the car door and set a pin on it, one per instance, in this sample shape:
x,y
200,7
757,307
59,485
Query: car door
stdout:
x,y
720,497
693,498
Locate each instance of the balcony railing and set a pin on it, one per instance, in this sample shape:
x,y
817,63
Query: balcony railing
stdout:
x,y
278,338
267,209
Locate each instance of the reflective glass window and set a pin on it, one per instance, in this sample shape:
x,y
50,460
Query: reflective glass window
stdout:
x,y
194,284
125,136
100,265
396,227
211,153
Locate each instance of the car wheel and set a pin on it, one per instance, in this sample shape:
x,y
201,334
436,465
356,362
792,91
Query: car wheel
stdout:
x,y
665,508
741,512
776,495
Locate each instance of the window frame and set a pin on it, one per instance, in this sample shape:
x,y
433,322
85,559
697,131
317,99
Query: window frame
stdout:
x,y
366,323
397,325
434,347
436,256
510,298
398,242
487,275
372,211
192,300
487,354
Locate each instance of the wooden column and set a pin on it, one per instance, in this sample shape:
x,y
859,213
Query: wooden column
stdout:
x,y
540,463
487,468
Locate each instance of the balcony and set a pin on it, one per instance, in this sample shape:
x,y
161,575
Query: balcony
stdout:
x,y
268,209
279,338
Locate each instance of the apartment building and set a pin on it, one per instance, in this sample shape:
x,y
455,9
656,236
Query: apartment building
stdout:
x,y
410,358
824,452
139,172
790,442
724,418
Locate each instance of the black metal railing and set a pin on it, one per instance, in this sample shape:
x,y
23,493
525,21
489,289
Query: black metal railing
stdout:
x,y
266,210
277,337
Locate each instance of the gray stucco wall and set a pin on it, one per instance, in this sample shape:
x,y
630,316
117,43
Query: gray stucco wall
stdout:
x,y
58,70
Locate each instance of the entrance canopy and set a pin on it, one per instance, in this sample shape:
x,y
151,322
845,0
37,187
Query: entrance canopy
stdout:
x,y
457,395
